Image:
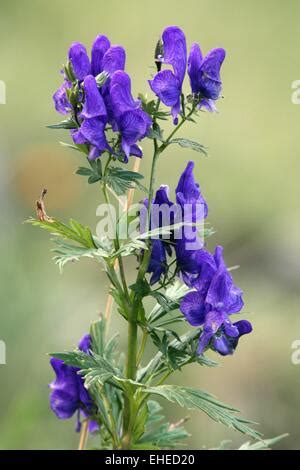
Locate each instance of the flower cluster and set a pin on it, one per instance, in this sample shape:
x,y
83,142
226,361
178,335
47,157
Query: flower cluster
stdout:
x,y
68,394
204,72
97,95
214,295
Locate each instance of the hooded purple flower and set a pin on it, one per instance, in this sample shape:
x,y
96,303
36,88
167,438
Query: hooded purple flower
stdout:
x,y
79,60
210,305
227,340
68,394
94,117
204,74
160,248
192,209
167,84
132,122
60,98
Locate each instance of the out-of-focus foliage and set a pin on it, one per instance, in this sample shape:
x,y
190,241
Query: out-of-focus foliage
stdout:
x,y
250,181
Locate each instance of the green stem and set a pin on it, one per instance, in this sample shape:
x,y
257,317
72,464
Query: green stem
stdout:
x,y
116,241
136,300
183,119
142,348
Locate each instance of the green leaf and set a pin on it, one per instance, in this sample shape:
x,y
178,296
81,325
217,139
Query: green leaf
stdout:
x,y
140,288
94,173
84,171
173,295
120,180
94,179
79,147
155,132
192,398
186,143
67,124
165,435
67,252
75,231
263,444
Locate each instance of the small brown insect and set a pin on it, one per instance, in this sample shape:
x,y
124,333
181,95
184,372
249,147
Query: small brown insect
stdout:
x,y
40,208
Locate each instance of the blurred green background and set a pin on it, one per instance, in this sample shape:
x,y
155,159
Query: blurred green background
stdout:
x,y
250,180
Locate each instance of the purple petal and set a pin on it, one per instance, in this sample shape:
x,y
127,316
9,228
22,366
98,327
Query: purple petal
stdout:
x,y
120,94
85,343
157,263
194,63
93,105
175,54
91,132
209,105
222,346
79,60
133,125
193,308
167,87
114,59
223,295
210,84
63,403
244,327
136,151
60,99
213,322
188,191
93,426
99,48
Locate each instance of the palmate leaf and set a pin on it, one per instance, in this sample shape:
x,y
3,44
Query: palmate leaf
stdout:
x,y
94,173
192,398
186,143
120,180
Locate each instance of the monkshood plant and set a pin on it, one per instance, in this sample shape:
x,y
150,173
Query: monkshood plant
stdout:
x,y
191,290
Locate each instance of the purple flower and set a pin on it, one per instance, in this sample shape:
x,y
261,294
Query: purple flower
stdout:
x,y
159,248
167,84
92,132
68,394
210,305
227,340
188,191
79,60
204,74
193,209
60,98
132,122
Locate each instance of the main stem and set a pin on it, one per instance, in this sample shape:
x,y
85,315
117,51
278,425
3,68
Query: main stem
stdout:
x,y
136,301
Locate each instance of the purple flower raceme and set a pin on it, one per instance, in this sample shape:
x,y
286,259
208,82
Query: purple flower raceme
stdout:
x,y
68,394
167,84
215,298
204,74
112,103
